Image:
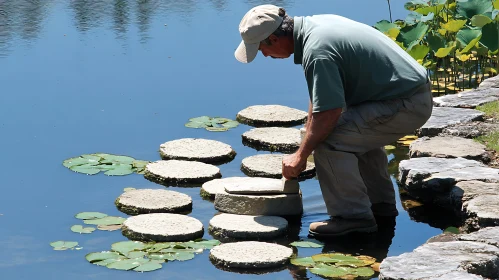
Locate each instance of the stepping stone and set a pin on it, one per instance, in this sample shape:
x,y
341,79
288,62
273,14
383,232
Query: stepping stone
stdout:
x,y
488,235
180,172
250,254
203,150
271,115
468,99
162,227
211,188
280,139
490,83
247,227
466,190
265,205
482,211
270,166
256,185
147,201
470,130
448,147
443,260
443,117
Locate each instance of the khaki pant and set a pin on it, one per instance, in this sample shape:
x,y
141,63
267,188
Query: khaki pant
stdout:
x,y
351,163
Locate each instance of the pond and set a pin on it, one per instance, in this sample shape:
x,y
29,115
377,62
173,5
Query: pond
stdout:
x,y
122,77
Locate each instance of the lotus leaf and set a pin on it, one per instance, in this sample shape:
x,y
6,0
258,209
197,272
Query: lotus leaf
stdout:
x,y
428,17
126,264
413,18
471,8
136,254
412,35
468,39
427,10
231,124
490,37
307,244
200,119
167,256
184,256
109,220
217,129
419,51
393,33
101,256
196,125
308,262
90,215
414,4
444,52
385,25
366,259
109,158
81,229
149,266
480,20
109,227
453,25
204,244
337,258
85,169
125,247
63,245
160,246
77,161
331,270
120,170
435,41
105,262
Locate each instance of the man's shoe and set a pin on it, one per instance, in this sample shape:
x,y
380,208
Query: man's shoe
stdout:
x,y
384,209
339,226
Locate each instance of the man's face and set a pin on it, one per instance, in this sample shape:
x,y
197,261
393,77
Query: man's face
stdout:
x,y
278,47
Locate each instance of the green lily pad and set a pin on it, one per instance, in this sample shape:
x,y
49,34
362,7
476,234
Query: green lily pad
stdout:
x,y
90,215
307,244
109,158
336,258
120,170
196,125
167,256
203,244
231,124
200,119
102,256
126,264
85,169
212,124
70,162
308,262
160,246
81,229
63,245
149,266
125,247
184,256
217,129
112,165
109,220
331,270
105,262
136,254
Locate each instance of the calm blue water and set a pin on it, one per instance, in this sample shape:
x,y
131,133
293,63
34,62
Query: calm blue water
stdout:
x,y
123,77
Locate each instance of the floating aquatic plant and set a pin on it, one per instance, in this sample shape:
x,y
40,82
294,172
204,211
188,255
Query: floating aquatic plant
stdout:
x,y
307,244
111,165
212,124
63,245
101,220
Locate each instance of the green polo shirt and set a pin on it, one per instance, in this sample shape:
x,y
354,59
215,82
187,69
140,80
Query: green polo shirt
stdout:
x,y
347,63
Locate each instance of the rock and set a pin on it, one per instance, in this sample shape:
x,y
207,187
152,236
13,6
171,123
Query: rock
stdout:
x,y
270,165
271,115
180,172
467,190
443,260
250,255
247,227
203,150
448,147
459,275
211,188
489,235
162,227
280,139
482,211
490,83
468,99
265,205
470,130
256,185
146,201
444,237
443,117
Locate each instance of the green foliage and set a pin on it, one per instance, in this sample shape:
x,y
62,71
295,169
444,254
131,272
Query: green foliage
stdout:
x,y
212,124
63,245
81,229
307,244
111,165
337,265
452,230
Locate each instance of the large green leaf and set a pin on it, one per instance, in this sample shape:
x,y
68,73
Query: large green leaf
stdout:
x,y
202,244
200,119
120,170
109,158
411,35
231,124
432,9
196,125
307,244
149,266
444,52
101,256
109,220
413,18
125,247
470,8
435,41
184,256
85,169
454,25
63,245
308,262
78,161
414,4
490,37
480,20
335,258
495,13
468,39
384,26
90,215
331,270
125,264
428,17
81,229
419,52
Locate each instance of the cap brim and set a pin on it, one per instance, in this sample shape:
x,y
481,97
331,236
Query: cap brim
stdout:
x,y
245,53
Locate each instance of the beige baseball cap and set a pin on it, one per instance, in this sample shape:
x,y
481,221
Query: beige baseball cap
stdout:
x,y
256,25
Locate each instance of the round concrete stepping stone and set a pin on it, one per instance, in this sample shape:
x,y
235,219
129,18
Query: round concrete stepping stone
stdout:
x,y
147,201
265,205
211,188
448,147
162,227
258,185
280,139
468,99
180,172
271,115
247,227
270,166
250,254
443,117
203,150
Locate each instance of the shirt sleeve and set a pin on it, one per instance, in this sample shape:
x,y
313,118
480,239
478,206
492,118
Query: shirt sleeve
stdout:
x,y
325,85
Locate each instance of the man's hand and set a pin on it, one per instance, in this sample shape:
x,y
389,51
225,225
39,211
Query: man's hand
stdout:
x,y
292,166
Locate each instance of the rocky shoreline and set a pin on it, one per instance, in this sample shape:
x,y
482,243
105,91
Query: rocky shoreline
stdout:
x,y
448,169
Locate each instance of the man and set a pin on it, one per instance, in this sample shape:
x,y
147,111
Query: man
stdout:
x,y
365,92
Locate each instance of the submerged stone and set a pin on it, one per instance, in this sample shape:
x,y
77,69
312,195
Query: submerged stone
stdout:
x,y
162,227
203,150
448,147
468,99
180,172
443,260
146,201
280,139
247,227
250,255
256,185
443,117
270,166
271,115
211,188
266,205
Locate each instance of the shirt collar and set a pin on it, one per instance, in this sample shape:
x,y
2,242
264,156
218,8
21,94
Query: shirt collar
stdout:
x,y
298,40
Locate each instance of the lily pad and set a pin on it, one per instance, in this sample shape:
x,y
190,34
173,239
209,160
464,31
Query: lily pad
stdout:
x,y
109,220
101,256
81,229
63,245
90,215
85,169
126,264
184,256
125,247
335,258
120,170
212,124
136,254
204,244
307,244
111,165
149,266
308,262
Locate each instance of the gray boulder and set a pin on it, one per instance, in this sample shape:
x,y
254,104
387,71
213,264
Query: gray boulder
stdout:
x,y
468,99
448,147
443,117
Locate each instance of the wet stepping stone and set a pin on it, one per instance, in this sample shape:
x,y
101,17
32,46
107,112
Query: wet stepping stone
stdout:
x,y
270,166
271,115
443,117
490,83
203,150
443,260
146,201
250,254
247,227
448,147
280,139
438,175
468,99
162,227
266,205
180,172
482,211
